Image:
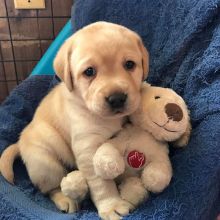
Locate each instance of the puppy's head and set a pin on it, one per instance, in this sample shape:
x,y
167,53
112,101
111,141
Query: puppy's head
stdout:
x,y
105,64
164,114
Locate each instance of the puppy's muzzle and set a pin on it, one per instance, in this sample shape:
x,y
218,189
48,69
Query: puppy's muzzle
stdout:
x,y
116,101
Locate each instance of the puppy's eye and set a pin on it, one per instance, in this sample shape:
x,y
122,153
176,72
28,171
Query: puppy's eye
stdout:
x,y
90,72
129,65
157,97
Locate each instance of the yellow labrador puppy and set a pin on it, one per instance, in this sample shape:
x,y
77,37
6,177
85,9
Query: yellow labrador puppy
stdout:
x,y
102,67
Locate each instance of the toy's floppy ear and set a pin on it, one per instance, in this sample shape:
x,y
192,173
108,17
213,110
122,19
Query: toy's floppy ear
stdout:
x,y
62,63
184,139
145,59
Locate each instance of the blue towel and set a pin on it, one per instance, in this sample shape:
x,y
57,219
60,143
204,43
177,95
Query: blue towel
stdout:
x,y
183,38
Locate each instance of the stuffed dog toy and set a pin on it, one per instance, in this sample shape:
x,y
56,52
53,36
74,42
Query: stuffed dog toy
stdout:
x,y
139,155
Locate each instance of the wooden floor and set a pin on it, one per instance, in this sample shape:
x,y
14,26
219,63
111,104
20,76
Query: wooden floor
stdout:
x,y
24,37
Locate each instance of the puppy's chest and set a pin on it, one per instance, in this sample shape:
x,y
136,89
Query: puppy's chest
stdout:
x,y
90,124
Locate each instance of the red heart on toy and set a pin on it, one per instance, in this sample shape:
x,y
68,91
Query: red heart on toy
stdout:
x,y
136,159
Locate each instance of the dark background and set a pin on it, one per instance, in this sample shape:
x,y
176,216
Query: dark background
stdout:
x,y
24,37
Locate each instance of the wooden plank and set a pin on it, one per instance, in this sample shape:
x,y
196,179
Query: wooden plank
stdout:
x,y
1,57
6,50
59,24
27,50
24,69
2,73
10,71
60,9
2,9
3,91
47,12
25,28
4,29
11,85
45,28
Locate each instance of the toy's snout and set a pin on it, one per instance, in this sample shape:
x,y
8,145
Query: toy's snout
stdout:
x,y
174,112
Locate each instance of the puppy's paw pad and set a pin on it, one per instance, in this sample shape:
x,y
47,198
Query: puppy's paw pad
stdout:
x,y
115,210
67,205
123,208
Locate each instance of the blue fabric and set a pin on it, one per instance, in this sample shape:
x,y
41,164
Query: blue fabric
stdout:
x,y
183,38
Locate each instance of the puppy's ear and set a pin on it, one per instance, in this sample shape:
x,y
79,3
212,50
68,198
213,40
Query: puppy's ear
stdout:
x,y
62,63
184,139
145,59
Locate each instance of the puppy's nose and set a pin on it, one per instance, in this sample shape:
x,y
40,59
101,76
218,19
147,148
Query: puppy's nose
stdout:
x,y
174,112
116,100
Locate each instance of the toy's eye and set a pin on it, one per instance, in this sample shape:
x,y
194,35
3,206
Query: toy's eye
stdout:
x,y
90,72
129,65
157,97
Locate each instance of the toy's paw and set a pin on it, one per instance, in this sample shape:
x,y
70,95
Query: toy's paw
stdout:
x,y
181,142
109,167
156,178
133,191
114,209
74,185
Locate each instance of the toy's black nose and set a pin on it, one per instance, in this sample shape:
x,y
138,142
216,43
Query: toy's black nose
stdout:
x,y
174,112
116,100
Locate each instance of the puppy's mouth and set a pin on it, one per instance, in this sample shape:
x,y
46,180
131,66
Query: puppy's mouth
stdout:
x,y
163,126
116,112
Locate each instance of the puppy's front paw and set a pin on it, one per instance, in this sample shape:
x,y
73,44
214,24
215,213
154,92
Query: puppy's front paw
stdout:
x,y
67,205
63,203
109,167
74,185
155,178
114,209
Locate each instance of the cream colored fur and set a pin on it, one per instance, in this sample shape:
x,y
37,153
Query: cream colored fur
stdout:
x,y
73,120
110,160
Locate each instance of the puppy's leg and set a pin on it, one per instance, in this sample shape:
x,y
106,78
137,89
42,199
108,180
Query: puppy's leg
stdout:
x,y
132,190
104,193
44,153
157,175
44,168
46,172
